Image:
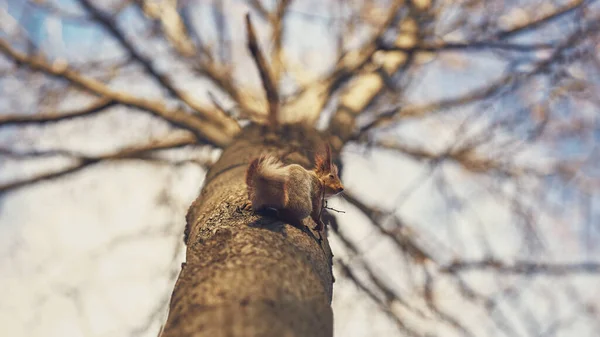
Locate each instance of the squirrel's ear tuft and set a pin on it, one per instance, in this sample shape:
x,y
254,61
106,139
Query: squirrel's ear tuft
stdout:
x,y
323,163
320,163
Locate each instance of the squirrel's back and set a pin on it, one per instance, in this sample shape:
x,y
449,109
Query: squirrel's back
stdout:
x,y
275,185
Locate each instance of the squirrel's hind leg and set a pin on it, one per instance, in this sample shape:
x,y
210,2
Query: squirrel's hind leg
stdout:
x,y
320,225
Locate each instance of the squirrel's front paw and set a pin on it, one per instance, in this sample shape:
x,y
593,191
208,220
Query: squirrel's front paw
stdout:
x,y
247,206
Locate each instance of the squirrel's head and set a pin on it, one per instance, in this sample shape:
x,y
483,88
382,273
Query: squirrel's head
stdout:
x,y
327,172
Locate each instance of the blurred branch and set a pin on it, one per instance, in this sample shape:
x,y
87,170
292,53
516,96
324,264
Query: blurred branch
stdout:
x,y
523,267
109,25
259,8
390,297
269,85
529,26
277,27
432,305
352,62
136,152
171,23
83,161
468,158
10,153
177,28
383,305
449,103
370,85
43,118
470,45
203,130
505,84
311,99
491,304
388,293
401,235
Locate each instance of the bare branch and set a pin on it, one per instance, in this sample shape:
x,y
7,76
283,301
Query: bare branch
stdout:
x,y
490,304
309,101
43,118
470,45
529,26
524,267
171,23
177,29
277,21
203,130
383,306
505,84
260,9
468,158
111,26
137,152
400,236
432,305
353,62
267,80
368,86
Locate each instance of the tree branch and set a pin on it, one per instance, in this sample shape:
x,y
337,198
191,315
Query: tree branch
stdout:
x,y
277,27
43,118
171,23
176,29
507,83
259,8
523,267
83,161
399,236
368,86
428,293
267,80
310,100
383,306
468,158
470,45
524,28
204,130
111,26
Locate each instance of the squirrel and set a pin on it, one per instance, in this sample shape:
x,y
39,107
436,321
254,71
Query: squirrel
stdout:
x,y
292,190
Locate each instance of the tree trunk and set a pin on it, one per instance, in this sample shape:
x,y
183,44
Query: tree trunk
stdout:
x,y
251,275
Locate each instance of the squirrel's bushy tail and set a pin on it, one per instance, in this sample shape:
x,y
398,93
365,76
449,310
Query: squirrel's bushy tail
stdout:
x,y
266,178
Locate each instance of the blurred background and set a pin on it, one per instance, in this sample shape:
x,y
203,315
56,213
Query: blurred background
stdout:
x,y
471,166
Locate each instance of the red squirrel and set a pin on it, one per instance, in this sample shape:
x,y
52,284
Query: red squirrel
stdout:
x,y
292,190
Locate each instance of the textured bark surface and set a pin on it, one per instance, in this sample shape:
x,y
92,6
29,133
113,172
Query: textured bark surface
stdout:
x,y
245,274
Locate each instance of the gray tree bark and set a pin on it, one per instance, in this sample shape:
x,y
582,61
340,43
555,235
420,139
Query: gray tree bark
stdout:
x,y
246,274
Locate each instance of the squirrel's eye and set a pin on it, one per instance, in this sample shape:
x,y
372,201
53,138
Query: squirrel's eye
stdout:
x,y
331,176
